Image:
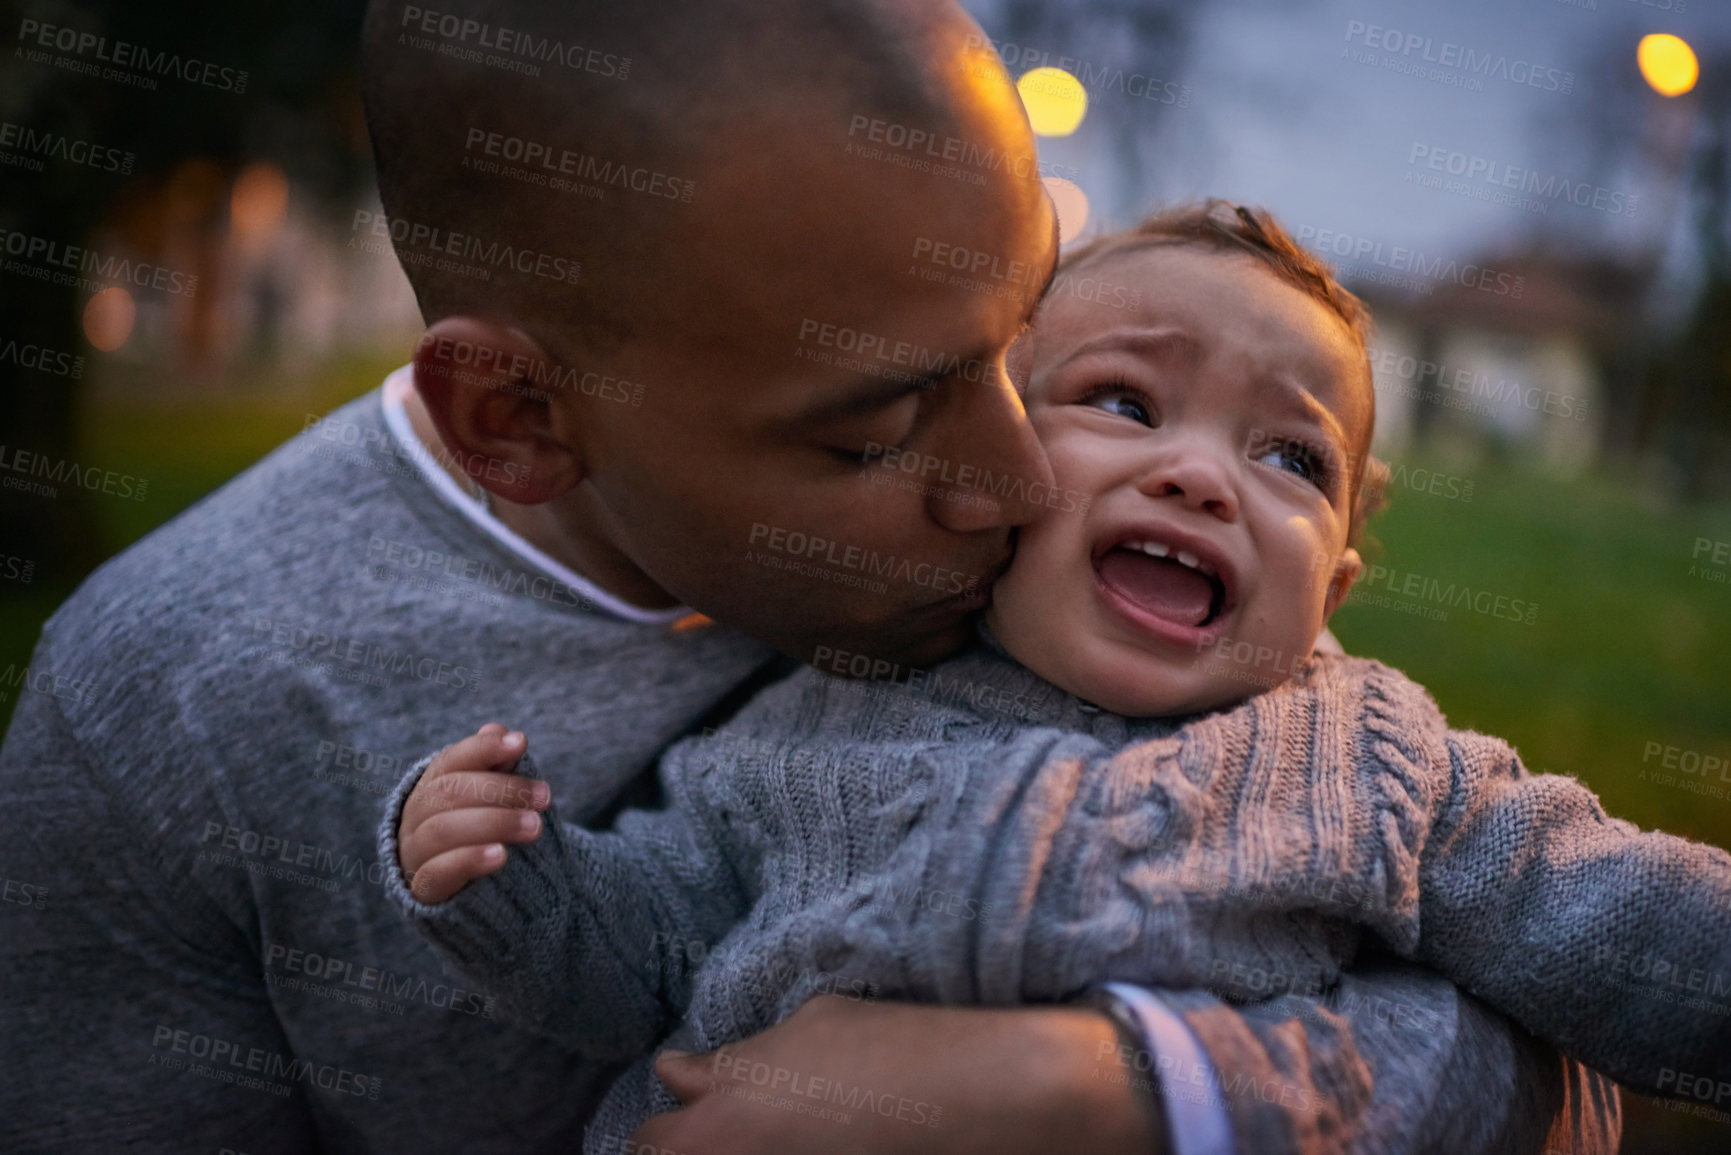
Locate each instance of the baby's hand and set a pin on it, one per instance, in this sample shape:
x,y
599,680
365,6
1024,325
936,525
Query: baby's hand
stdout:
x,y
466,806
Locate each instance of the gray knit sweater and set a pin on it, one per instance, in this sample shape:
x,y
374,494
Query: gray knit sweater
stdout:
x,y
985,837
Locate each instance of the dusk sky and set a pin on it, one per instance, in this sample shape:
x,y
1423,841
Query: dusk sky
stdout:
x,y
1295,106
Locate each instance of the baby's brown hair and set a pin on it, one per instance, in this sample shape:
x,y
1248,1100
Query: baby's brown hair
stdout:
x,y
1221,226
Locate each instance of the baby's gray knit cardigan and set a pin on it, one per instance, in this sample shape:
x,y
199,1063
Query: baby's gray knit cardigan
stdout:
x,y
986,838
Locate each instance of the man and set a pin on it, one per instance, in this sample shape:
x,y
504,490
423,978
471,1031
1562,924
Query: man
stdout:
x,y
628,404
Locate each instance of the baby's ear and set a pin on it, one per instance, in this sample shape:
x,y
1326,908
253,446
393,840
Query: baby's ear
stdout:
x,y
1346,573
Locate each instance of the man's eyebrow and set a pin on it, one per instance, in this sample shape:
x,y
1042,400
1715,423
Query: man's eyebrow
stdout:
x,y
875,394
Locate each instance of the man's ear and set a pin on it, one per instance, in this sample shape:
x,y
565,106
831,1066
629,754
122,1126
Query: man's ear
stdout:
x,y
477,378
1346,573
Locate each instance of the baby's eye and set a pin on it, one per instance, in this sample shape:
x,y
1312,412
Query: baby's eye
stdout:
x,y
1119,399
1298,457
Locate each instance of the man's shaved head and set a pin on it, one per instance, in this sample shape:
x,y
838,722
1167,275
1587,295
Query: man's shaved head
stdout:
x,y
756,191
644,100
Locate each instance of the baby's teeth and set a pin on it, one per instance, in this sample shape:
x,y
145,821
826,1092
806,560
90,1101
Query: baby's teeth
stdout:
x,y
1187,558
1154,549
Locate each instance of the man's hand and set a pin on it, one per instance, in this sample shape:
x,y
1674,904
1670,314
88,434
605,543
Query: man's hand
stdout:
x,y
464,810
910,1079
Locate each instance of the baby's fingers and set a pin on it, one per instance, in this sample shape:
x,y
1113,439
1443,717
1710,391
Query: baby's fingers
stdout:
x,y
491,748
476,826
468,789
443,876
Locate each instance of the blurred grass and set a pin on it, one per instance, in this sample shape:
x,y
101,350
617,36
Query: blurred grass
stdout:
x,y
1627,649
185,448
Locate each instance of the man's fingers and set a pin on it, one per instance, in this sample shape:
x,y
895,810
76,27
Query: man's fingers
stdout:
x,y
663,1132
686,1075
446,874
475,826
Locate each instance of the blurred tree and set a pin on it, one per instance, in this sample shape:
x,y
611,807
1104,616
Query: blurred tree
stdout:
x,y
301,109
1670,387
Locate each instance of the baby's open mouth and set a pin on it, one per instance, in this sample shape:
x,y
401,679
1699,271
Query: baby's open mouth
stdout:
x,y
1172,584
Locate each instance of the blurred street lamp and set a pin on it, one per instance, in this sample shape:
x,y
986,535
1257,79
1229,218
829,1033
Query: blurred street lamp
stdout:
x,y
1055,100
1667,63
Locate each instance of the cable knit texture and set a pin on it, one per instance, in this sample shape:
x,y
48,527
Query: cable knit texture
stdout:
x,y
984,837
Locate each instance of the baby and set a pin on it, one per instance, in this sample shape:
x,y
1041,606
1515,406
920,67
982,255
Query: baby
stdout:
x,y
1143,773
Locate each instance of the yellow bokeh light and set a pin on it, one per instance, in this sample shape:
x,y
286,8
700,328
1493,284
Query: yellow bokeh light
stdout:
x,y
1668,63
1055,100
108,318
1072,205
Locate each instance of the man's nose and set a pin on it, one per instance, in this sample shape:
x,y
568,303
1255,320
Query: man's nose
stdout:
x,y
984,425
1195,474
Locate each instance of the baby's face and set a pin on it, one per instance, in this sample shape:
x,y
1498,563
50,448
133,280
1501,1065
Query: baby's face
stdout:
x,y
1212,426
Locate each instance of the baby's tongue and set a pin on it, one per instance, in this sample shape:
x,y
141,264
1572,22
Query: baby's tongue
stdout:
x,y
1170,590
